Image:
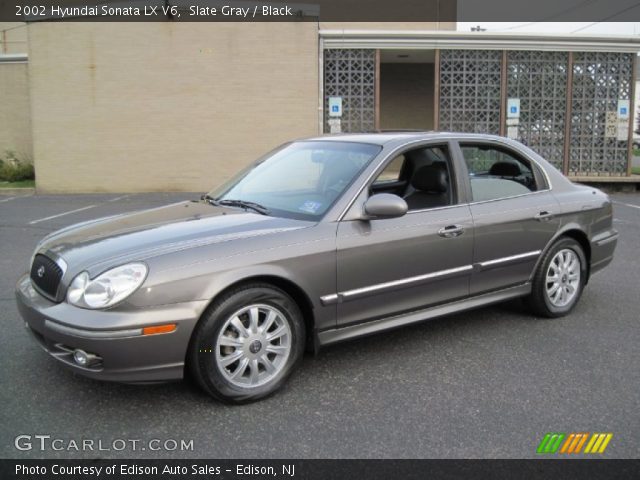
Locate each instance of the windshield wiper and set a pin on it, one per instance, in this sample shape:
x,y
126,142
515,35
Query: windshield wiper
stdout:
x,y
262,210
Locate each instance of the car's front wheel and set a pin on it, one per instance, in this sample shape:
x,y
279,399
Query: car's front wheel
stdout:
x,y
559,279
247,343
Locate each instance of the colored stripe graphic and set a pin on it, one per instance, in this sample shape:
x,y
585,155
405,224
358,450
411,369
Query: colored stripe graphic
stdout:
x,y
550,443
574,443
543,443
598,443
581,443
569,443
605,443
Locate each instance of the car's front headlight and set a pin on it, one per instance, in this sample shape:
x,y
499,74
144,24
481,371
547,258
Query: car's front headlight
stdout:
x,y
107,289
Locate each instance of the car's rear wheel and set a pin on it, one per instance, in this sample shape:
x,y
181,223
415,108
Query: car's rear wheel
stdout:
x,y
559,279
247,343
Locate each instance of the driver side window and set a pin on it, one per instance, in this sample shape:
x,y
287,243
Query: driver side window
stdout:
x,y
421,176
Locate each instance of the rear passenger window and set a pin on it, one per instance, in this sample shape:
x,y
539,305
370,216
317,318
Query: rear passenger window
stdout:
x,y
497,172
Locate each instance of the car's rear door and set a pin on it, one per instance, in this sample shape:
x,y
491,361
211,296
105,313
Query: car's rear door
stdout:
x,y
390,266
514,213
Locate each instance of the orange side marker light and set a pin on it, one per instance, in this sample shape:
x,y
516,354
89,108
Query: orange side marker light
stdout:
x,y
170,327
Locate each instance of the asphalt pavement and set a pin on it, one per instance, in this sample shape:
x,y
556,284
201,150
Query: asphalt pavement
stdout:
x,y
483,384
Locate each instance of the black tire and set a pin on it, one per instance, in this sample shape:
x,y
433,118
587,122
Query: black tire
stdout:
x,y
202,357
539,301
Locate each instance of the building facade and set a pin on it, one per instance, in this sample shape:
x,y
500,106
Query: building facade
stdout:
x,y
15,114
166,106
572,97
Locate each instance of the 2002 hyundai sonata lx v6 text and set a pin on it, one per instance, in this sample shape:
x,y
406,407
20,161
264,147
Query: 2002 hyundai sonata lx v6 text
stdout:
x,y
319,241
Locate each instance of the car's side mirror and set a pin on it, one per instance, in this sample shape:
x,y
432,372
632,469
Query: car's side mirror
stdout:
x,y
384,205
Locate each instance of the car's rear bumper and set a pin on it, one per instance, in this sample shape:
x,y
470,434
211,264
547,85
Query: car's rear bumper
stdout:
x,y
602,247
113,338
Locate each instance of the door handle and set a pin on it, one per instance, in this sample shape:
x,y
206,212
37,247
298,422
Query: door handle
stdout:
x,y
543,216
451,231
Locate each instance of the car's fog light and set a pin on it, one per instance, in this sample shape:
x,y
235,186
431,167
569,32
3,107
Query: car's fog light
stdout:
x,y
81,357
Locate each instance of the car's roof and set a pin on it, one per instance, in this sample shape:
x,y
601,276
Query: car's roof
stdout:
x,y
383,137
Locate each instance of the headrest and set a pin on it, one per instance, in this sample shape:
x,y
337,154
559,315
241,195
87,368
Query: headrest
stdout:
x,y
504,169
421,156
431,178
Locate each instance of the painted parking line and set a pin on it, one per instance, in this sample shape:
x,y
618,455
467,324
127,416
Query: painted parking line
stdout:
x,y
61,214
118,198
627,204
15,197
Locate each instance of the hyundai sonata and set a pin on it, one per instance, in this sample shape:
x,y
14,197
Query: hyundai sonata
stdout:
x,y
319,241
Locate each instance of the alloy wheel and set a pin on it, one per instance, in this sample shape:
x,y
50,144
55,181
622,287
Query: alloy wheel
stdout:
x,y
253,345
563,278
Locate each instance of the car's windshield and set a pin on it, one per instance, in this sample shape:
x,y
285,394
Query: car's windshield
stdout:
x,y
301,180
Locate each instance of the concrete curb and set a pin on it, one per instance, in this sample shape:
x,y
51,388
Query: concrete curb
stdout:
x,y
611,184
581,179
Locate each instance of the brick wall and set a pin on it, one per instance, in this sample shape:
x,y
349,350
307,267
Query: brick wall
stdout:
x,y
15,127
165,106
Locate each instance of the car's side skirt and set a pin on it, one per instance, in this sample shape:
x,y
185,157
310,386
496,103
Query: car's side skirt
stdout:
x,y
366,328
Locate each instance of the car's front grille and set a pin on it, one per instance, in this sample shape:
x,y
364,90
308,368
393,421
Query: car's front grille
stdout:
x,y
46,275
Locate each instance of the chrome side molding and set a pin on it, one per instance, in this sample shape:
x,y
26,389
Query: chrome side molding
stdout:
x,y
347,295
392,285
499,262
351,331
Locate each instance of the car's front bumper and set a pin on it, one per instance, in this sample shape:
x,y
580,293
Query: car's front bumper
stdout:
x,y
113,338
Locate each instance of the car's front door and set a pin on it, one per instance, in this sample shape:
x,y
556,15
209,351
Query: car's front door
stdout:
x,y
390,266
514,214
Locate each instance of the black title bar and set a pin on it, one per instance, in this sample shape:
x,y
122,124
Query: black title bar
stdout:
x,y
319,469
322,10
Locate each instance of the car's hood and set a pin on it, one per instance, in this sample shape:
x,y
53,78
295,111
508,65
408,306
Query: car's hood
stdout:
x,y
148,233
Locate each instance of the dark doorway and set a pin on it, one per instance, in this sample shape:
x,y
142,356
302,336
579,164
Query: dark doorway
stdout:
x,y
406,89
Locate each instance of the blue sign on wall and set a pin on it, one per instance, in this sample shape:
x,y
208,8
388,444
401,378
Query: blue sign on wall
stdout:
x,y
335,106
513,108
